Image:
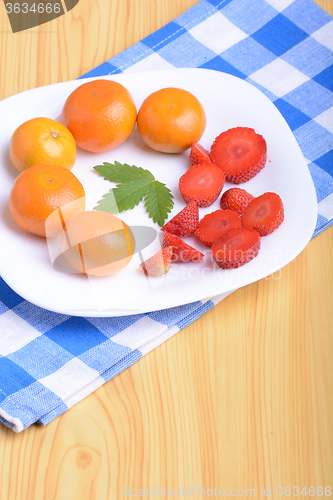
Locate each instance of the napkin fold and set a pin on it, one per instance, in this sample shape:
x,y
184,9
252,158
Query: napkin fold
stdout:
x,y
50,361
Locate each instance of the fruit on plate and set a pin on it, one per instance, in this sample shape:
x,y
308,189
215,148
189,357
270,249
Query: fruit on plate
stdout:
x,y
236,247
171,119
182,252
198,154
265,213
185,222
44,197
97,243
202,183
216,223
101,114
240,152
159,263
42,140
235,199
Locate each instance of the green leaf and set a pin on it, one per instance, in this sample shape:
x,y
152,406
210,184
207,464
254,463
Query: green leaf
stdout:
x,y
122,173
158,202
124,197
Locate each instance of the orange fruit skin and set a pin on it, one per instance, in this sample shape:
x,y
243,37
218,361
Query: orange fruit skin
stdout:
x,y
97,243
100,114
170,120
44,197
42,140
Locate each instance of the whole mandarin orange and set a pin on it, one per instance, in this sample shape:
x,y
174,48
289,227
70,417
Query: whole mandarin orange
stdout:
x,y
44,197
42,140
100,114
97,243
171,119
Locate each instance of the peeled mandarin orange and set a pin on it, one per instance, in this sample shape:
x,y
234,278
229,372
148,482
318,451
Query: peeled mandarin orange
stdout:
x,y
42,140
44,197
97,243
170,120
100,114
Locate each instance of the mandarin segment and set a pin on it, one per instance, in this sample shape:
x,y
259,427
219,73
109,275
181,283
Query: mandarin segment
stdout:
x,y
100,114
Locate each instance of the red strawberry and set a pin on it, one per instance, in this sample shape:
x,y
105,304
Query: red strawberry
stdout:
x,y
214,224
236,247
202,183
158,264
240,152
264,213
198,154
185,222
182,252
235,199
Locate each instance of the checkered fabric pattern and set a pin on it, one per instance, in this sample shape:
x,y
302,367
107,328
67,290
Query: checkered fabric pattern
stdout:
x,y
49,361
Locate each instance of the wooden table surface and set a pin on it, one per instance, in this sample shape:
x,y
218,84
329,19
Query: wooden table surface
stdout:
x,y
241,399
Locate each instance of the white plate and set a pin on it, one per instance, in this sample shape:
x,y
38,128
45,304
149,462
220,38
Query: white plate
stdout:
x,y
26,260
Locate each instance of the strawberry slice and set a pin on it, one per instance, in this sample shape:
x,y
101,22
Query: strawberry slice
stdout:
x,y
159,263
198,154
265,213
202,183
240,152
182,252
236,247
185,222
216,223
235,199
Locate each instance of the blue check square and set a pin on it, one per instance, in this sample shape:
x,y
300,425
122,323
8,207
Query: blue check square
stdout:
x,y
311,98
307,15
248,56
279,35
163,36
76,335
244,14
18,379
195,55
310,57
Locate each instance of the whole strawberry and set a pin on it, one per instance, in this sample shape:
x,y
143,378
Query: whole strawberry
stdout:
x,y
185,222
235,199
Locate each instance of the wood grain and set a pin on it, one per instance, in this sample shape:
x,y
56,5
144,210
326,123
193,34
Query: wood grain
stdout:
x,y
242,398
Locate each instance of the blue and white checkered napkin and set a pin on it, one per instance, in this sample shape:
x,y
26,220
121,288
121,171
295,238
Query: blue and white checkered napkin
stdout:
x,y
49,361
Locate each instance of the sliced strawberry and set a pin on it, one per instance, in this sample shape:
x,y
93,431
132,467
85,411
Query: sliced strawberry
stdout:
x,y
265,213
235,199
236,247
185,222
202,183
240,152
198,154
216,223
159,263
182,252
